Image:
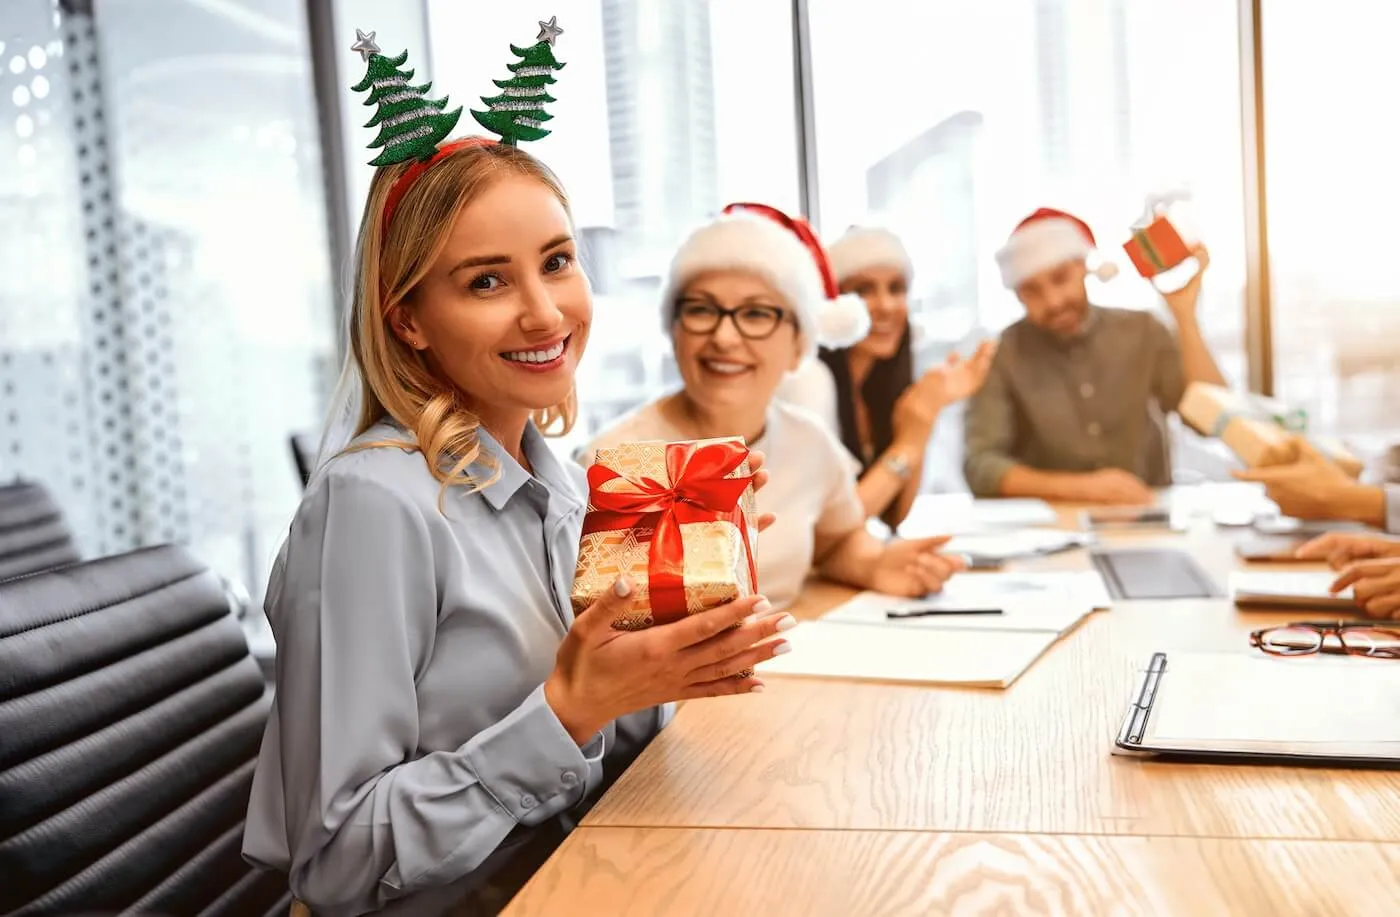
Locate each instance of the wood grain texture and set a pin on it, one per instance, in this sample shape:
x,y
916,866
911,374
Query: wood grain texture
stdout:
x,y
680,873
826,754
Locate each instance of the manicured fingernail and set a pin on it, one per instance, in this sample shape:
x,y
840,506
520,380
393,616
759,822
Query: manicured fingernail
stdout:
x,y
756,689
763,607
786,622
782,648
622,588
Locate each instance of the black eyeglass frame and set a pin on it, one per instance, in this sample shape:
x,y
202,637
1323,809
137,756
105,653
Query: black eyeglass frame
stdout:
x,y
780,316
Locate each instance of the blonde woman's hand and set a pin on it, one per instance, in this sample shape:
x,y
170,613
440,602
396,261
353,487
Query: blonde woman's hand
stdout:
x,y
601,673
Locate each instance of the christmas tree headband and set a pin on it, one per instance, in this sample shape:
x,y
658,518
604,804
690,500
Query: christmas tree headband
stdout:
x,y
411,125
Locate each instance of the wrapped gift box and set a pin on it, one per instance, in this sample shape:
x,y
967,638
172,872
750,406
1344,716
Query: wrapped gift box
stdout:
x,y
678,519
1259,430
1157,247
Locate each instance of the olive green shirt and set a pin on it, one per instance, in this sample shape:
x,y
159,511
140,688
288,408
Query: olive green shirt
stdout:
x,y
1095,400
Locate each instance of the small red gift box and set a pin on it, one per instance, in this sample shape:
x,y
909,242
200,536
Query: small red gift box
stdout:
x,y
1156,247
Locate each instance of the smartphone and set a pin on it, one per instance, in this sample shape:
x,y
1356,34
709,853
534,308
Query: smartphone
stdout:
x,y
1277,549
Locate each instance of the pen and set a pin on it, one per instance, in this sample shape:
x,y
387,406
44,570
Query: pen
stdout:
x,y
930,612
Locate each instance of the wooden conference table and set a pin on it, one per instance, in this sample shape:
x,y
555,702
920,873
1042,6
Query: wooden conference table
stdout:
x,y
861,798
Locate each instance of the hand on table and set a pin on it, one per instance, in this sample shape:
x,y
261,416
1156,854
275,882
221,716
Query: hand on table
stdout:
x,y
1114,486
914,567
1375,585
1342,548
601,673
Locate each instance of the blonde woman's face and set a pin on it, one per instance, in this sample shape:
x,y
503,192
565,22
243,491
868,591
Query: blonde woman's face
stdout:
x,y
505,310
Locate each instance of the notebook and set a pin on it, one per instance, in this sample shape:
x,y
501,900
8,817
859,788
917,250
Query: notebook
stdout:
x,y
878,652
1261,708
1289,589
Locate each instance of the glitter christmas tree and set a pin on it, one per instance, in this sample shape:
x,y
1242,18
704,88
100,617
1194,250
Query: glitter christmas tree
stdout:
x,y
410,124
517,113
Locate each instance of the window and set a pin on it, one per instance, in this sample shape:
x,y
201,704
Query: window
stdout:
x,y
651,136
950,120
1332,194
165,304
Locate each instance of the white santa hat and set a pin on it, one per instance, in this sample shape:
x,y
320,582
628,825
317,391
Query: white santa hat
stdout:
x,y
861,248
784,251
1045,239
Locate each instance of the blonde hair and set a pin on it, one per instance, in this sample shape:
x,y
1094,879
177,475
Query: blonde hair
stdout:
x,y
395,381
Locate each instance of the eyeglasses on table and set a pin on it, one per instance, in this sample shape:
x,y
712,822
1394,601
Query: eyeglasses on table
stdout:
x,y
1345,638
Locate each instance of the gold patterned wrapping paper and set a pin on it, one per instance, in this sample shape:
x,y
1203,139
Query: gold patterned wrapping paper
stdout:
x,y
711,509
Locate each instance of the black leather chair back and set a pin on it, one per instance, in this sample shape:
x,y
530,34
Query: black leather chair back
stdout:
x,y
130,717
33,535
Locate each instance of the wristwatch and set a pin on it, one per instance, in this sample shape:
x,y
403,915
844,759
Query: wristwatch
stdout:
x,y
896,465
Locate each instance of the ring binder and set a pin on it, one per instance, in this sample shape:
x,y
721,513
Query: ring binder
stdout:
x,y
1141,705
1264,710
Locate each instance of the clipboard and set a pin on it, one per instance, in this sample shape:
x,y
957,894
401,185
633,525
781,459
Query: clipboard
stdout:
x,y
1240,717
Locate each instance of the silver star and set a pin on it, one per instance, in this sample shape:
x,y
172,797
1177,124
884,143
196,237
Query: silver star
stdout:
x,y
364,44
549,30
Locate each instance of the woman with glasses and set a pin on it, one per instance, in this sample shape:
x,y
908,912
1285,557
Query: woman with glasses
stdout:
x,y
867,392
749,297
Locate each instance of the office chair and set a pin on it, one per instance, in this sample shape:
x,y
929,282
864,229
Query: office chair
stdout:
x,y
33,533
131,714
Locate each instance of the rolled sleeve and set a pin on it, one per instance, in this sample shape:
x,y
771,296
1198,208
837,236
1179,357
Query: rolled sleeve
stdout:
x,y
1392,508
530,765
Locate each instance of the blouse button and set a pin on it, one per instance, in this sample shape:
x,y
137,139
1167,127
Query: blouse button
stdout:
x,y
527,801
1086,390
1095,429
569,778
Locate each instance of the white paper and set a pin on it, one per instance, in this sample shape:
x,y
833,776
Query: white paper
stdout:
x,y
953,514
1019,543
876,652
1265,703
1051,602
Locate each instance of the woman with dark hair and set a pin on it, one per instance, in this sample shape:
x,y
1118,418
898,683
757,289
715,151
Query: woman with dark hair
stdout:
x,y
882,413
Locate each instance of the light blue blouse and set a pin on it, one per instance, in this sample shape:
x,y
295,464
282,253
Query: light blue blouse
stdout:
x,y
410,737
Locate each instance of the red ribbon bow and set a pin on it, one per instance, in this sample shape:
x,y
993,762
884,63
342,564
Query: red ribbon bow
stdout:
x,y
699,492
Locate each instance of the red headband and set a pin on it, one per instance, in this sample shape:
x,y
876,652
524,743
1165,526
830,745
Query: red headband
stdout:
x,y
415,172
803,230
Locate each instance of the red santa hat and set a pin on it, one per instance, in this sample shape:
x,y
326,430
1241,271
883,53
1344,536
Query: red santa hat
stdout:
x,y
1045,239
863,247
785,252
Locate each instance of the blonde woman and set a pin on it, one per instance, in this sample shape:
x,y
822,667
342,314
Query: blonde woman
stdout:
x,y
441,717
